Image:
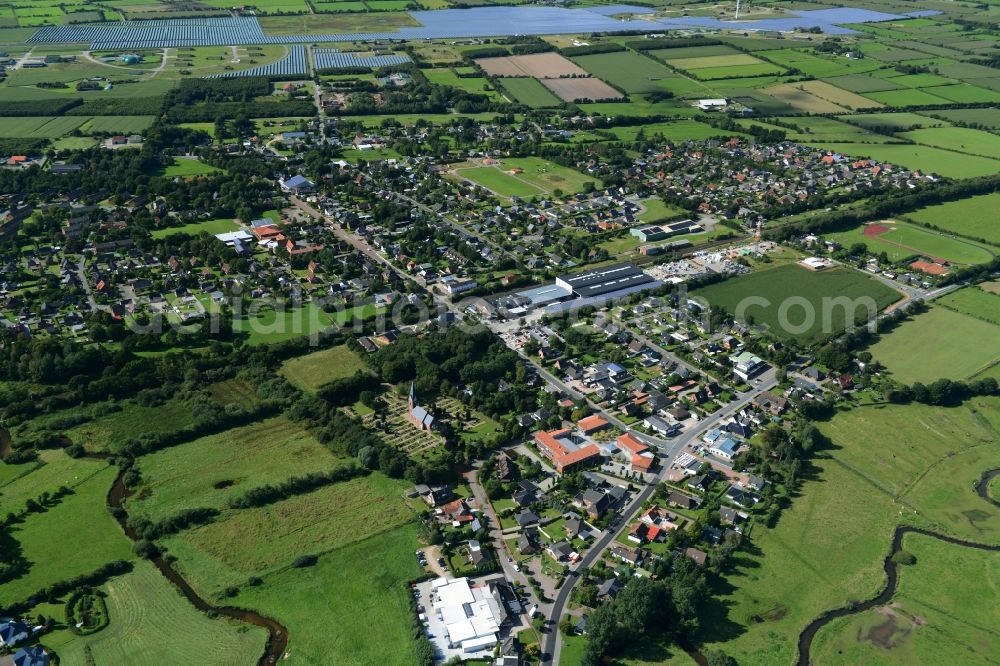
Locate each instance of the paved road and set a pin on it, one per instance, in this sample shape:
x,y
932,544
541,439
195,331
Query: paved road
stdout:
x,y
81,273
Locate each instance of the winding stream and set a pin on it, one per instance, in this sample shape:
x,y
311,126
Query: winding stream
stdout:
x,y
892,572
277,638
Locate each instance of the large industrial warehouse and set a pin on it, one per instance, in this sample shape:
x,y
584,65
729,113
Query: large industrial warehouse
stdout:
x,y
600,281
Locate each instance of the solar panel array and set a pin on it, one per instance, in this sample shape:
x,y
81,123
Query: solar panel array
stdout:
x,y
438,24
335,59
292,65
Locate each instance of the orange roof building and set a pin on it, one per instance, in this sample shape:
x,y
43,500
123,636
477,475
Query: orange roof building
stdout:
x,y
642,463
629,443
566,454
592,423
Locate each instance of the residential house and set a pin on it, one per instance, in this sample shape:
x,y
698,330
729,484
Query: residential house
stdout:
x,y
608,590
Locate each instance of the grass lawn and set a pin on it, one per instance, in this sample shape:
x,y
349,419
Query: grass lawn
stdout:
x,y
229,464
941,609
370,612
187,167
80,519
147,614
975,217
938,343
905,240
656,210
218,226
311,371
277,326
260,541
925,158
784,285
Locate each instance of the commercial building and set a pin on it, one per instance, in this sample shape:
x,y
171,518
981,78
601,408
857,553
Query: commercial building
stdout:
x,y
472,616
746,365
657,232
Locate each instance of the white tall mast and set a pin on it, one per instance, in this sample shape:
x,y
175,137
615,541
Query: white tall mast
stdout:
x,y
737,17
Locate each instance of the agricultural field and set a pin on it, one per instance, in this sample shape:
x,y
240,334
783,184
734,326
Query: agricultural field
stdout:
x,y
39,127
827,550
146,614
472,84
777,285
52,470
819,97
895,121
310,600
80,518
269,325
537,65
530,92
924,158
819,65
634,73
229,464
974,217
900,240
311,371
938,343
675,130
974,302
940,609
117,124
570,89
986,117
725,66
265,540
959,139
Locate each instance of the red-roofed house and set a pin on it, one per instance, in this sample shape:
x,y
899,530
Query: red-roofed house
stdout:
x,y
628,442
565,454
592,423
642,463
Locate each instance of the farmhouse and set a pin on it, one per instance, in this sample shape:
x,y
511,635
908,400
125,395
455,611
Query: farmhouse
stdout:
x,y
712,104
566,450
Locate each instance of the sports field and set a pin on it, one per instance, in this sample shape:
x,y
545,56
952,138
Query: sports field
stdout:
x,y
526,177
371,612
808,298
975,217
147,614
499,181
827,550
899,241
941,609
229,464
311,371
938,344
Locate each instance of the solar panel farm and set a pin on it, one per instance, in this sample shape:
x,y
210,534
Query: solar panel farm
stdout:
x,y
535,332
